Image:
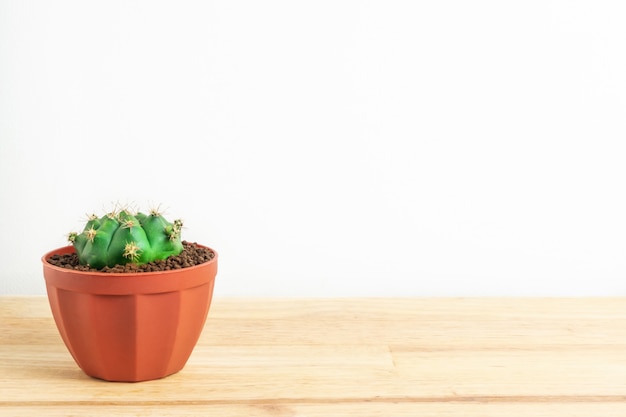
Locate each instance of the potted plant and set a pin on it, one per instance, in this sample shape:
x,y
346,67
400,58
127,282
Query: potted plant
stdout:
x,y
128,296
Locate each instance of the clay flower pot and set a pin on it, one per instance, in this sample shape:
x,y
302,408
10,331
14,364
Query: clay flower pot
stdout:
x,y
129,326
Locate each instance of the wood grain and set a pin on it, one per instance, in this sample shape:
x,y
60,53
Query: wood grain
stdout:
x,y
361,357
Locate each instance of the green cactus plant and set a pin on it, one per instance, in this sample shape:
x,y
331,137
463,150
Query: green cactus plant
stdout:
x,y
121,237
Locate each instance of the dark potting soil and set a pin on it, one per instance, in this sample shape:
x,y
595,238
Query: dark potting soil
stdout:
x,y
191,255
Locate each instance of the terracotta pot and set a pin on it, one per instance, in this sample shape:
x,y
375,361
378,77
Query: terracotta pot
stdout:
x,y
130,326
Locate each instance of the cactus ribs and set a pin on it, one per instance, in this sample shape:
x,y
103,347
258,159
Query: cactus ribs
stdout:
x,y
123,236
191,255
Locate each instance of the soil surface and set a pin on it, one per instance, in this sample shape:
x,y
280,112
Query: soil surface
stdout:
x,y
191,255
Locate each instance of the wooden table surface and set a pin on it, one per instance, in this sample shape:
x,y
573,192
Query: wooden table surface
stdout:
x,y
345,357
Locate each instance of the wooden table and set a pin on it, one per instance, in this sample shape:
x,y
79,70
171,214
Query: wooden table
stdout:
x,y
345,357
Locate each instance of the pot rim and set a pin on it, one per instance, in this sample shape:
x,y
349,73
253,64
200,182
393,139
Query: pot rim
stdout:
x,y
126,283
64,250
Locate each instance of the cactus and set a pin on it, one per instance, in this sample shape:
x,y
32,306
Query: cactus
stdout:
x,y
118,238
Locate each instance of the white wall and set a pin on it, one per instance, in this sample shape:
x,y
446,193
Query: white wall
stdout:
x,y
326,148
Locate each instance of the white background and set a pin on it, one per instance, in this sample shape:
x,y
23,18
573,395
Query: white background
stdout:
x,y
326,148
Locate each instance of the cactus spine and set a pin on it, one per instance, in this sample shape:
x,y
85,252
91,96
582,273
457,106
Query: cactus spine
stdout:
x,y
118,238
